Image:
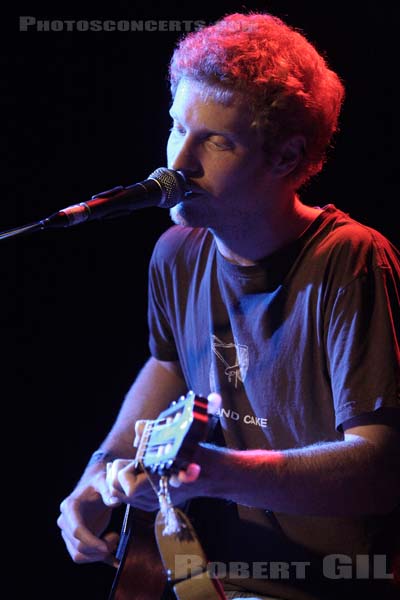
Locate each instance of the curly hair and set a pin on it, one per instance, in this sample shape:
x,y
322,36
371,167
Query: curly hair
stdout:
x,y
281,75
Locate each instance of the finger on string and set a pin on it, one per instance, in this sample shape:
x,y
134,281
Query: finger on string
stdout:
x,y
139,428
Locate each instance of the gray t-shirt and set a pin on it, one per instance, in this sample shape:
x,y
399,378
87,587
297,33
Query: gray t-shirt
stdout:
x,y
297,345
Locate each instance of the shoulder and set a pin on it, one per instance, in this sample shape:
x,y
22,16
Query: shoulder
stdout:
x,y
357,247
180,245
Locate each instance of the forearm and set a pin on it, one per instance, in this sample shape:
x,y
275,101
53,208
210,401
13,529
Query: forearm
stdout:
x,y
156,386
330,479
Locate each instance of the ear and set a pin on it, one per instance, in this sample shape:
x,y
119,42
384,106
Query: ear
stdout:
x,y
289,155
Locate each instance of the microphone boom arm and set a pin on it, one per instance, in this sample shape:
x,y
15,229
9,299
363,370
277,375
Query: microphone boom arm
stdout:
x,y
163,188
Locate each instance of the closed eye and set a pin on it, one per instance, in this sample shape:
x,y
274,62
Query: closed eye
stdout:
x,y
215,139
220,142
177,128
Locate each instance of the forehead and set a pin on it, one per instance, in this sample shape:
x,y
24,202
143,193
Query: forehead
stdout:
x,y
197,104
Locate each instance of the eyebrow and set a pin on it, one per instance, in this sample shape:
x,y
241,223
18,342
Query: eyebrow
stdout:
x,y
227,134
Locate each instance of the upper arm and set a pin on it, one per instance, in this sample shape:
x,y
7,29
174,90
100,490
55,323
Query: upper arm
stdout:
x,y
381,436
384,449
380,427
157,385
381,459
172,366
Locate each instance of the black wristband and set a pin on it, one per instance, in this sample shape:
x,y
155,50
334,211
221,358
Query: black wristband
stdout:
x,y
100,456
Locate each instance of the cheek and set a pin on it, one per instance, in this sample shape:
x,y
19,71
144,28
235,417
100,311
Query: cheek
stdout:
x,y
225,174
171,153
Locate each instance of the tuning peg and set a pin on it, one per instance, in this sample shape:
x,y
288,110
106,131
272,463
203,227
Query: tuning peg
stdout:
x,y
214,403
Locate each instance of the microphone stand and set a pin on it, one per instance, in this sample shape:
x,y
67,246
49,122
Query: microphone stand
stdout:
x,y
163,188
59,220
22,230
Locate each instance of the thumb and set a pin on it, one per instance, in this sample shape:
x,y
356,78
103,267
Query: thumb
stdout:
x,y
111,539
190,474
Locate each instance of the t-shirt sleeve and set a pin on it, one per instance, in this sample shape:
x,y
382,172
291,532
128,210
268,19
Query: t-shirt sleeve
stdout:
x,y
363,345
161,340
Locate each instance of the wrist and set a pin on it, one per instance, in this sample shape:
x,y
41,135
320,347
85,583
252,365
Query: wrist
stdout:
x,y
101,456
216,469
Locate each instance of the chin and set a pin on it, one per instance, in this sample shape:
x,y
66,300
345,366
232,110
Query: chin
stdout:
x,y
188,216
176,215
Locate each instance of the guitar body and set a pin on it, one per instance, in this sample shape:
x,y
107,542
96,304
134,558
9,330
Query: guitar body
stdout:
x,y
140,575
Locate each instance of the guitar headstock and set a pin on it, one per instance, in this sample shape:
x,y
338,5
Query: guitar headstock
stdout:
x,y
167,443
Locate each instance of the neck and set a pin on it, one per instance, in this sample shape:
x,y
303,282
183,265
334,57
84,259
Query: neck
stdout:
x,y
265,233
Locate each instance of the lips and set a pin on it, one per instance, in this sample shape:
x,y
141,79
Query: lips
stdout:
x,y
192,194
193,190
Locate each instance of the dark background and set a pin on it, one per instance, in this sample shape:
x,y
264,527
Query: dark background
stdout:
x,y
83,112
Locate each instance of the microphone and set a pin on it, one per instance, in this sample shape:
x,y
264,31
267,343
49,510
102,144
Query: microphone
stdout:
x,y
163,188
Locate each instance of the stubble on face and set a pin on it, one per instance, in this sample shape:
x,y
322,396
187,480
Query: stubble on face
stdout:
x,y
223,155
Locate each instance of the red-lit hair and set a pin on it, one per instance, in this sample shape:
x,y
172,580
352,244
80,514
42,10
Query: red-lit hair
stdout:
x,y
282,77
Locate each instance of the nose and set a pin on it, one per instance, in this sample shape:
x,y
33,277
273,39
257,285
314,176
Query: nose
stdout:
x,y
183,156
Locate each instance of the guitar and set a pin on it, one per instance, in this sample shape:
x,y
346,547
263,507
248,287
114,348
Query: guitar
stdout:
x,y
166,446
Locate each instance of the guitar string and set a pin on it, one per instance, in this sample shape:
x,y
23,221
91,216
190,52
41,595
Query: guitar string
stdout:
x,y
141,463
